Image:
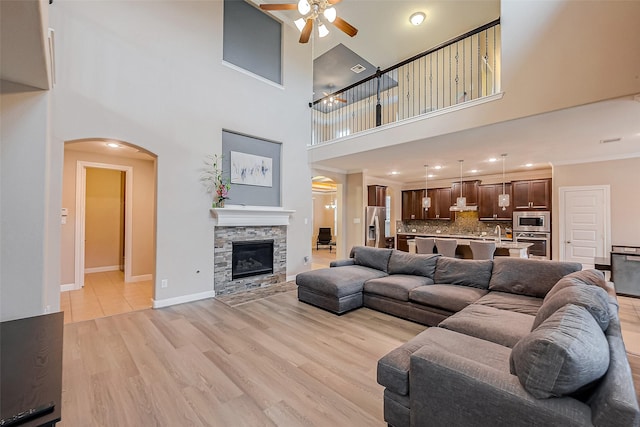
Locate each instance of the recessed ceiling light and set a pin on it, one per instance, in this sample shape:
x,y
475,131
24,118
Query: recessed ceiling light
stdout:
x,y
437,167
493,159
529,165
431,175
113,145
474,170
394,172
417,18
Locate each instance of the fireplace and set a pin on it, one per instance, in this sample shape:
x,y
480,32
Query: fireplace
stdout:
x,y
251,258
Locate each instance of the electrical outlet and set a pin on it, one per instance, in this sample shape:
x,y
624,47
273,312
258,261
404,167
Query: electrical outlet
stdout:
x,y
164,283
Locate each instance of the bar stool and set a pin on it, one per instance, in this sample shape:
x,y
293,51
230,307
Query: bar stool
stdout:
x,y
424,245
447,247
482,250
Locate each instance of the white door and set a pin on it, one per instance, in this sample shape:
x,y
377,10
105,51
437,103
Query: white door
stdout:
x,y
584,224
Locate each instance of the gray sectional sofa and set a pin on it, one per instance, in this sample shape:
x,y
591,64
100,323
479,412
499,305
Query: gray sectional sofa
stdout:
x,y
515,342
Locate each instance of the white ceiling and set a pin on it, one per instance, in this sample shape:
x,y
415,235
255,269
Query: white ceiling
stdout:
x,y
563,137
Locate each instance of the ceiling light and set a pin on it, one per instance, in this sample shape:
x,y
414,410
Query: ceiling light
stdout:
x,y
474,170
304,7
438,167
529,165
394,172
113,145
300,23
426,200
330,14
493,159
323,31
417,18
503,199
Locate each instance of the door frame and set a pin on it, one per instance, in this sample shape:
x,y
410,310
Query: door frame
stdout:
x,y
562,191
81,196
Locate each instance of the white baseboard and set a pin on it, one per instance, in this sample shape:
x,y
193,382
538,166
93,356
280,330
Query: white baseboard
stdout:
x,y
291,278
102,269
68,287
140,278
183,299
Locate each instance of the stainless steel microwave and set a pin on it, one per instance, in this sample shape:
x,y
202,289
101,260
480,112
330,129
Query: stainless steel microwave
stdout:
x,y
532,221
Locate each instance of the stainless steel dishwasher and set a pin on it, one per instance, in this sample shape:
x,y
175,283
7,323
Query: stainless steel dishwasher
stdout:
x,y
625,269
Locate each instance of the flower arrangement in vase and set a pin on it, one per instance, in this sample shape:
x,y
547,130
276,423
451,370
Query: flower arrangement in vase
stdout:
x,y
214,181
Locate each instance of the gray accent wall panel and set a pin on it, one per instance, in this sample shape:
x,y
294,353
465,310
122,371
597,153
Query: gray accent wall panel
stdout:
x,y
252,40
250,194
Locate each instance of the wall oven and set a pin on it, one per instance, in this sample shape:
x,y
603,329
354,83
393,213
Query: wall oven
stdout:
x,y
534,227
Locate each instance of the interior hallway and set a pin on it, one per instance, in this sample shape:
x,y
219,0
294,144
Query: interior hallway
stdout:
x,y
105,294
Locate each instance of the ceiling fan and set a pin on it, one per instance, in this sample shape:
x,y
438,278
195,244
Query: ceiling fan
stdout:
x,y
331,99
312,10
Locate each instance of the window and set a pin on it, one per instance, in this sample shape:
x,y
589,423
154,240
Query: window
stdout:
x,y
252,40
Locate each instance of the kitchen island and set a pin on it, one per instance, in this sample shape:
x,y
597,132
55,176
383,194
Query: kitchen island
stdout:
x,y
505,247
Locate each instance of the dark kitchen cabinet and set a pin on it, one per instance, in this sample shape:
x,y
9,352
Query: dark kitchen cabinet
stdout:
x,y
469,190
412,205
440,203
531,195
376,195
402,242
488,209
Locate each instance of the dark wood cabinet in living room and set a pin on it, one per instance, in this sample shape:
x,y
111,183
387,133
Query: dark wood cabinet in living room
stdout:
x,y
412,205
402,242
376,195
488,209
440,204
532,194
469,190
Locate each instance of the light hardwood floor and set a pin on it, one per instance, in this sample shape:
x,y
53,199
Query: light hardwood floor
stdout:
x,y
105,294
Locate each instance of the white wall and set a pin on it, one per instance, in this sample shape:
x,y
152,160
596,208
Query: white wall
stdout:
x,y
151,74
30,212
555,54
623,177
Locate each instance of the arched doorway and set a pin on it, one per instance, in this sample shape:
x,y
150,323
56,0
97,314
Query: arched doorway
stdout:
x,y
108,231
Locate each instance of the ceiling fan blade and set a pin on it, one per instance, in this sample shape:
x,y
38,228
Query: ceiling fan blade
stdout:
x,y
334,1
345,27
340,100
278,6
306,31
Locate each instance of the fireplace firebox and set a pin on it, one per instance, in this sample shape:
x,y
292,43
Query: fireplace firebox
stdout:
x,y
251,258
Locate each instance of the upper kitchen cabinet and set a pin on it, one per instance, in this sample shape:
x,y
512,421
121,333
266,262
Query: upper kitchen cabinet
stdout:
x,y
440,204
488,209
376,195
469,190
412,205
533,194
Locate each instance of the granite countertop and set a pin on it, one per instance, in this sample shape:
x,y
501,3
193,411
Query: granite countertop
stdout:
x,y
465,238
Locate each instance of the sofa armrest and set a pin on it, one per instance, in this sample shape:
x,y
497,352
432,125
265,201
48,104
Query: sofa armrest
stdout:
x,y
449,389
342,262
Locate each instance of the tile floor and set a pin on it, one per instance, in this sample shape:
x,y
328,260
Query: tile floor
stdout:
x,y
105,294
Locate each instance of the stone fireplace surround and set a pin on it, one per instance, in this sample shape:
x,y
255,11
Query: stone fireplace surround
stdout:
x,y
245,223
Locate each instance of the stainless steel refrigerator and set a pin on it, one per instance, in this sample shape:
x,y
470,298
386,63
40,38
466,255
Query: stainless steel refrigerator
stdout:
x,y
374,226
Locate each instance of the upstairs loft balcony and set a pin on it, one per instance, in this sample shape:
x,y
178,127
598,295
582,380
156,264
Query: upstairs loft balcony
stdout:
x,y
464,69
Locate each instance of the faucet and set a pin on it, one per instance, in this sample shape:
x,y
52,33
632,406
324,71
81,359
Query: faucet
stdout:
x,y
498,231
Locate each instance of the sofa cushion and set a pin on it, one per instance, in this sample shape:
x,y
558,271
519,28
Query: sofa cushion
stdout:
x,y
512,302
594,299
585,277
463,272
531,277
448,297
396,286
366,256
338,281
393,368
565,353
418,265
492,324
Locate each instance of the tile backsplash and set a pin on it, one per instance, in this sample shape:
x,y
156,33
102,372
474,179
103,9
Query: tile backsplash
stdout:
x,y
464,223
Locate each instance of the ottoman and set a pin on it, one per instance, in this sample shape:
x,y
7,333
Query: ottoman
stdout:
x,y
336,289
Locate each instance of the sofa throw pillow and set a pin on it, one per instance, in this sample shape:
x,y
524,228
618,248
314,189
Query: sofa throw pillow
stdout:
x,y
567,352
531,277
413,264
590,277
594,299
366,256
463,272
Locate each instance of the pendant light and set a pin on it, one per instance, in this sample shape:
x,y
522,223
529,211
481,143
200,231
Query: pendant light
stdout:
x,y
503,199
461,202
426,200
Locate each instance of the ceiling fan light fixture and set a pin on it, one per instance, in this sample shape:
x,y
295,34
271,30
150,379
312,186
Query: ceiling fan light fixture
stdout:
x,y
417,18
304,7
330,14
300,23
323,31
